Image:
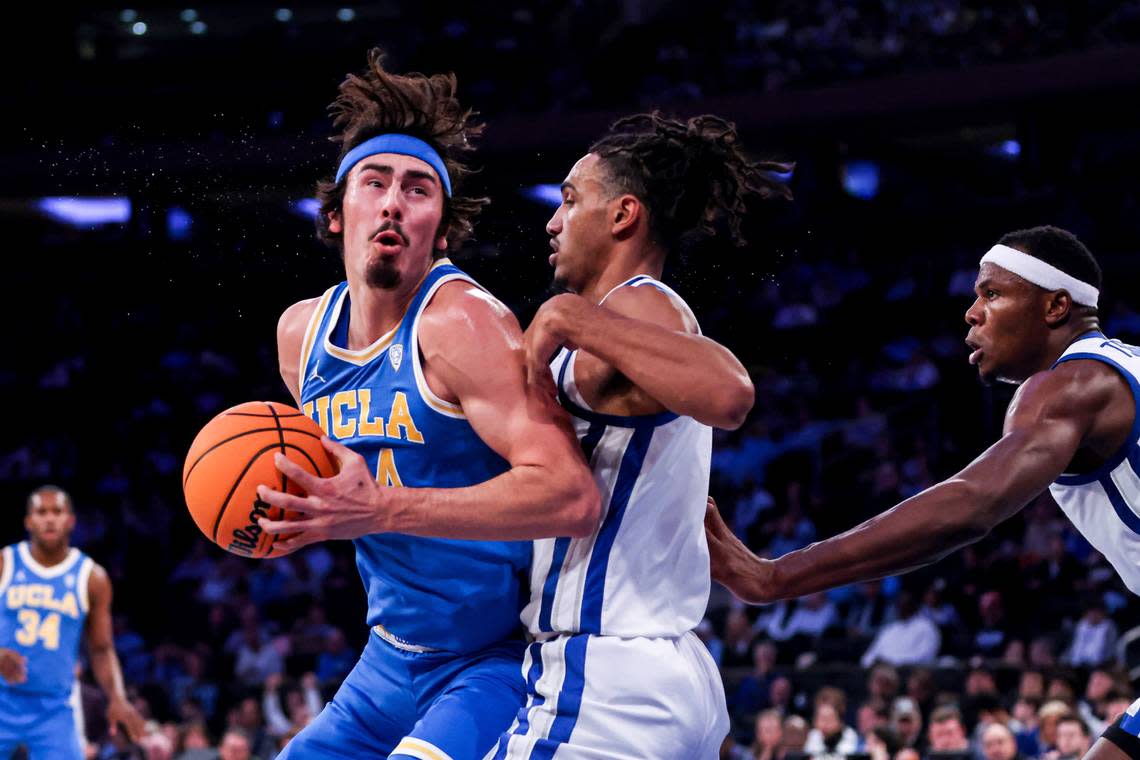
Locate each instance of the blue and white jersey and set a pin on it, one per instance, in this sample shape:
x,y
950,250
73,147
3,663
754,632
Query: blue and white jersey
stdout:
x,y
45,609
1104,505
645,570
457,596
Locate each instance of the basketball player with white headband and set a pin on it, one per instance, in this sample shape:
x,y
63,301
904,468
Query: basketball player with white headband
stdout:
x,y
1072,428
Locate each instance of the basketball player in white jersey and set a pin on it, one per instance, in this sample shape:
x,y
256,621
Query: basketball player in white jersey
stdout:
x,y
615,670
1072,427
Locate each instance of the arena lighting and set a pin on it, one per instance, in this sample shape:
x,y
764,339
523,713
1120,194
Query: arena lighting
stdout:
x,y
198,27
784,177
178,223
189,15
86,212
283,15
1007,149
346,14
128,16
861,179
307,207
547,195
139,28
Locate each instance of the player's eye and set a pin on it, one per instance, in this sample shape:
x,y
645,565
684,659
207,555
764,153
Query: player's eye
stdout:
x,y
991,294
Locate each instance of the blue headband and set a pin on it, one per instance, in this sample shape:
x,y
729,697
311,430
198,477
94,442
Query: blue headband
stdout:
x,y
404,145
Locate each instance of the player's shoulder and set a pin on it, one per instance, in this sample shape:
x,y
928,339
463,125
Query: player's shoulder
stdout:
x,y
98,580
297,315
646,301
1072,387
461,310
295,320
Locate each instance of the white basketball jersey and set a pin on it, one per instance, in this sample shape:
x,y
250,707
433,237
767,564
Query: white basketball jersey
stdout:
x,y
645,570
1105,505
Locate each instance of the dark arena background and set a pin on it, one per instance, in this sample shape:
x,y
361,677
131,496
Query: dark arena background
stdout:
x,y
159,165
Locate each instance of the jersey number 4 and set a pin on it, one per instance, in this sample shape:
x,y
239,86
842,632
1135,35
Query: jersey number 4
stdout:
x,y
35,629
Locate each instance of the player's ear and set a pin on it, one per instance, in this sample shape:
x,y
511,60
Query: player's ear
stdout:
x,y
626,213
1058,308
441,239
335,225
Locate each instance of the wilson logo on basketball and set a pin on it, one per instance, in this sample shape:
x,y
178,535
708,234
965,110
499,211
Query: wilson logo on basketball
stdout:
x,y
245,539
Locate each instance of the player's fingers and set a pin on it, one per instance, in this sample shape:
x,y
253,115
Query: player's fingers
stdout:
x,y
296,503
290,545
296,473
284,526
339,452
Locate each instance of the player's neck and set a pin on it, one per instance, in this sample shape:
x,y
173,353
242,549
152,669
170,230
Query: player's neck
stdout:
x,y
1062,339
47,557
374,312
624,263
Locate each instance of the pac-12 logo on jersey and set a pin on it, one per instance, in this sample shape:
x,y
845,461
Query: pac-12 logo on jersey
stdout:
x,y
396,356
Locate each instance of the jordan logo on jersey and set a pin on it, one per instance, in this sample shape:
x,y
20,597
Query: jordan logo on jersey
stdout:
x,y
396,356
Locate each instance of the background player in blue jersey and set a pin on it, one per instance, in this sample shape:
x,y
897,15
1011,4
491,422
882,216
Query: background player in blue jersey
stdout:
x,y
416,373
53,595
1072,427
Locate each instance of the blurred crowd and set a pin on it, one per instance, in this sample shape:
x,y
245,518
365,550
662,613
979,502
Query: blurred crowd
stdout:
x,y
668,53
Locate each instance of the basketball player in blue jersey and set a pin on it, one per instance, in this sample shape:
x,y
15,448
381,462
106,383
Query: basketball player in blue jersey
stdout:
x,y
417,376
1072,428
52,596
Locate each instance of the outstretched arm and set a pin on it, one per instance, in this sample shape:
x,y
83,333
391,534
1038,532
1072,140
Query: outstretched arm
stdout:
x,y
1046,423
104,661
472,344
644,336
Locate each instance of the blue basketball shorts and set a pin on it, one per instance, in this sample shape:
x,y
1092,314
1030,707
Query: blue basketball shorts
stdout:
x,y
422,705
44,725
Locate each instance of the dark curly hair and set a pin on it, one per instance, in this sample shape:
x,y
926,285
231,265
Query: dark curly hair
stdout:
x,y
375,102
692,175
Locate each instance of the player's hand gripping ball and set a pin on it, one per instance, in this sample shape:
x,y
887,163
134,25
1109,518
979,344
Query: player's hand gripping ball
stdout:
x,y
232,456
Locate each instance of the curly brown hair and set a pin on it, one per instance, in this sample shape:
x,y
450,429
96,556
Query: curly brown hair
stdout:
x,y
376,102
692,175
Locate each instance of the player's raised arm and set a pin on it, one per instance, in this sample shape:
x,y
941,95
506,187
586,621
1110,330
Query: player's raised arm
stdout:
x,y
471,345
1046,423
104,661
642,334
291,329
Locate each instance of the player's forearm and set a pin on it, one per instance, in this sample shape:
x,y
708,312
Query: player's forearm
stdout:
x,y
688,374
108,674
917,532
526,502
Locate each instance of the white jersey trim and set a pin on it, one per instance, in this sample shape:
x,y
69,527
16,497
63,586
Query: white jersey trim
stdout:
x,y
46,572
310,338
6,573
446,408
82,583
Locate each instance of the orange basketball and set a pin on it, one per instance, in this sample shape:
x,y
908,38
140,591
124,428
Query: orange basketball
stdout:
x,y
232,456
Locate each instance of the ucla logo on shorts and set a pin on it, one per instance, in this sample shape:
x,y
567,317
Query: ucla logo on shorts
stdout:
x,y
396,355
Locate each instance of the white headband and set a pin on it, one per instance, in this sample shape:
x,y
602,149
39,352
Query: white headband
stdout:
x,y
1041,273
